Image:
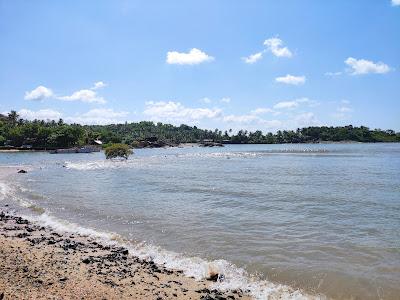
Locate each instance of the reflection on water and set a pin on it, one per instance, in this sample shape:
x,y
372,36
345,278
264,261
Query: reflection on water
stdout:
x,y
323,218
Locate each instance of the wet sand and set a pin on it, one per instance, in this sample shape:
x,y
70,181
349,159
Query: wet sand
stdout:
x,y
39,263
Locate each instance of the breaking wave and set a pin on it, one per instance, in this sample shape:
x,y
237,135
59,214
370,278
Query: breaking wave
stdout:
x,y
149,161
232,277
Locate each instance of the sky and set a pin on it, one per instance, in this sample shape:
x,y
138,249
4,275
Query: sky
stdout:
x,y
224,64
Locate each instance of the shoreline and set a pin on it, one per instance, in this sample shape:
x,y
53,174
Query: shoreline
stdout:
x,y
39,262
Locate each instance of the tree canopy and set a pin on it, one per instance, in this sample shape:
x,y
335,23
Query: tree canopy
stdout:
x,y
117,150
17,132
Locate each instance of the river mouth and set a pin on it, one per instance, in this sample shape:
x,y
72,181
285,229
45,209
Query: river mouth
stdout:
x,y
321,219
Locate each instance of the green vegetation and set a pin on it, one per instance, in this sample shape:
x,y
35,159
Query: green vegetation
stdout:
x,y
117,150
41,134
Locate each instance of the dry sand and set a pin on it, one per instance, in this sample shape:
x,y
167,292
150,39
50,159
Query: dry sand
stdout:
x,y
40,263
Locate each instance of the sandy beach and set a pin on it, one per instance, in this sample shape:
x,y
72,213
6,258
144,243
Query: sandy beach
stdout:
x,y
39,263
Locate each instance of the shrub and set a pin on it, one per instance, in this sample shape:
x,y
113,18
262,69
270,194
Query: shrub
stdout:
x,y
118,150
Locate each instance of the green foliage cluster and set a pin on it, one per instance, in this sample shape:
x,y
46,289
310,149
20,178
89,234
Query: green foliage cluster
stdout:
x,y
41,134
117,150
38,133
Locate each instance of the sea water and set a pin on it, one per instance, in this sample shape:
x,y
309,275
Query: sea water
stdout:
x,y
290,221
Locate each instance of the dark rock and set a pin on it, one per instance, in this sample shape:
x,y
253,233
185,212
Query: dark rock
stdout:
x,y
213,277
22,171
19,220
1,296
63,279
86,261
22,235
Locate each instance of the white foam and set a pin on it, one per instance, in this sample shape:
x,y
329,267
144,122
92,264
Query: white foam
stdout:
x,y
233,277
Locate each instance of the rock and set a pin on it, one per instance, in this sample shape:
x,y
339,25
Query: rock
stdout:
x,y
63,279
1,296
86,260
22,171
215,277
19,220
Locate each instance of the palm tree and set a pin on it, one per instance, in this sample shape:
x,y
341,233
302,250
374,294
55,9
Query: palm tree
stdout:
x,y
13,117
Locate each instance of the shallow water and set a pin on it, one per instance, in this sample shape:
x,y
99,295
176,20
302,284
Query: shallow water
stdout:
x,y
322,218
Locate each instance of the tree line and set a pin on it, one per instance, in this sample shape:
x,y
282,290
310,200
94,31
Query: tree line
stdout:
x,y
17,132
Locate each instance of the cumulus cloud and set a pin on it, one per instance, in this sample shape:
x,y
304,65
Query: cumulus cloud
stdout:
x,y
225,100
39,93
176,112
395,2
99,116
333,73
275,45
88,96
261,111
222,100
306,119
98,85
254,121
344,109
295,103
206,100
363,66
290,79
85,95
43,114
253,58
193,57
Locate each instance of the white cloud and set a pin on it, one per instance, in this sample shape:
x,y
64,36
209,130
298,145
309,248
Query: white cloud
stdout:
x,y
85,95
193,57
43,114
176,112
333,73
99,116
98,85
395,2
38,94
290,79
344,109
286,105
251,59
295,103
255,122
306,119
275,46
363,66
261,111
89,96
206,100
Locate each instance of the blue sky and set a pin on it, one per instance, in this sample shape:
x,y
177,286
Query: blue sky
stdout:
x,y
264,65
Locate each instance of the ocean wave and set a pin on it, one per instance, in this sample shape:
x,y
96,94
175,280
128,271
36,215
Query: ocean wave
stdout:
x,y
233,276
148,161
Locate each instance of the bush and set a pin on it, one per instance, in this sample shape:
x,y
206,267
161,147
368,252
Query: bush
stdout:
x,y
118,150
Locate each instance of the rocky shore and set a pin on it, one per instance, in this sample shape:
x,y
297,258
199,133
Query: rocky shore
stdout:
x,y
37,262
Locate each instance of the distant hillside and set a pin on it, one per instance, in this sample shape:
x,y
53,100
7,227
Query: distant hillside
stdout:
x,y
50,134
